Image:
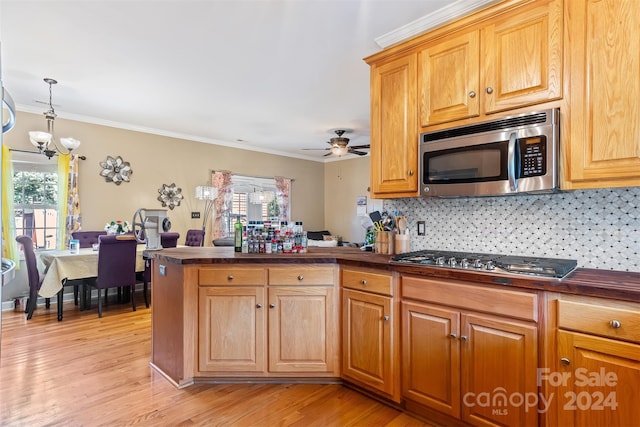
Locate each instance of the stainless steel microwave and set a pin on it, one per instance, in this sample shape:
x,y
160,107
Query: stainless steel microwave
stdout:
x,y
511,155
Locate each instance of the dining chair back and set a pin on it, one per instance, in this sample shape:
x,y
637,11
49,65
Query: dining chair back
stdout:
x,y
194,238
169,240
35,280
116,265
87,238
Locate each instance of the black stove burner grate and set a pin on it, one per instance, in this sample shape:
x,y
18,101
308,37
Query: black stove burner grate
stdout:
x,y
548,267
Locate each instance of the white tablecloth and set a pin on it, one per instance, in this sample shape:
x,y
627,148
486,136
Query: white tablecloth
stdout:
x,y
61,265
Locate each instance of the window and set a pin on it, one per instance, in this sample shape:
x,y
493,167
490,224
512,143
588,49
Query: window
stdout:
x,y
242,206
35,186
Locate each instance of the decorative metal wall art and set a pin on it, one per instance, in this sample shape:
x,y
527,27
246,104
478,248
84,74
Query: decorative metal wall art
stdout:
x,y
170,195
116,170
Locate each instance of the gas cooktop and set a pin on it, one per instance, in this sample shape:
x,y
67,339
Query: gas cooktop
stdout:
x,y
494,263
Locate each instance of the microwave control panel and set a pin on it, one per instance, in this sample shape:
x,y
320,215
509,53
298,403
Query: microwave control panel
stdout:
x,y
533,156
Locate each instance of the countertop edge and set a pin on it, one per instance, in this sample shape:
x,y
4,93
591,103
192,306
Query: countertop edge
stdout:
x,y
619,285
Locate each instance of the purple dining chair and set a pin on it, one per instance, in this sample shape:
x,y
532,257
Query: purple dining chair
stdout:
x,y
116,265
87,238
35,280
194,238
167,240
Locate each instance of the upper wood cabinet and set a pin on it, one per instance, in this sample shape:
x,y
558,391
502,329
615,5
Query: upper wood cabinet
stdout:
x,y
394,128
507,62
602,141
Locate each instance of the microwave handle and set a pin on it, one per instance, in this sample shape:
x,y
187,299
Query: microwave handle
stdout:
x,y
511,162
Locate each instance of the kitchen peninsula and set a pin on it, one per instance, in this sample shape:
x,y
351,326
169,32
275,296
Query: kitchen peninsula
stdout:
x,y
343,315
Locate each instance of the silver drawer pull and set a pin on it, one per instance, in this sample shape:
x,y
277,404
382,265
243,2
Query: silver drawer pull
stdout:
x,y
364,282
301,277
230,277
615,324
565,361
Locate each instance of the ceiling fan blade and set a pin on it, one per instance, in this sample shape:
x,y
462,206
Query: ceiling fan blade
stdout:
x,y
359,153
356,147
328,154
321,149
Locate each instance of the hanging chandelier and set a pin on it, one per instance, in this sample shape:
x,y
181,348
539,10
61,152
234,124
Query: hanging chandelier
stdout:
x,y
44,141
260,197
209,195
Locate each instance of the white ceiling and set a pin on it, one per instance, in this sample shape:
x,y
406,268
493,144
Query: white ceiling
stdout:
x,y
268,75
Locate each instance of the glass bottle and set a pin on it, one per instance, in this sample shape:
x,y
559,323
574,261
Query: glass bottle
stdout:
x,y
237,235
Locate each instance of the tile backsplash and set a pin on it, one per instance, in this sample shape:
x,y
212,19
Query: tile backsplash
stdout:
x,y
598,228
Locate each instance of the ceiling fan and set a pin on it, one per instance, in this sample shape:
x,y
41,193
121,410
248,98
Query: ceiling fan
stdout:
x,y
339,146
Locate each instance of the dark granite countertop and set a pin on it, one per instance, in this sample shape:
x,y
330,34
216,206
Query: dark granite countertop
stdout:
x,y
591,282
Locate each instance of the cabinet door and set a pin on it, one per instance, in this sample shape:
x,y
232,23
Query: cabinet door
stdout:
x,y
449,80
603,144
302,329
499,358
367,339
232,329
601,381
394,130
523,58
431,357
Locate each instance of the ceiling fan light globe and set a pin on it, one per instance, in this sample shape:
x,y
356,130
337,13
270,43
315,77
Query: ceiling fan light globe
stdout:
x,y
69,143
340,151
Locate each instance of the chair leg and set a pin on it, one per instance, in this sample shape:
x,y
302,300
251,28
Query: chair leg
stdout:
x,y
59,295
100,303
47,302
31,306
145,287
75,294
133,300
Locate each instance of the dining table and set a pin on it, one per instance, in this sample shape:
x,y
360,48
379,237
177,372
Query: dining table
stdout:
x,y
63,266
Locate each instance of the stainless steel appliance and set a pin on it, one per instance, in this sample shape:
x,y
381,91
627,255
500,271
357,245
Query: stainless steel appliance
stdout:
x,y
515,154
494,263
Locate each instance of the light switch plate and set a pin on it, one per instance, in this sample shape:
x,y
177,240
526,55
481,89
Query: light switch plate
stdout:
x,y
162,270
421,228
195,215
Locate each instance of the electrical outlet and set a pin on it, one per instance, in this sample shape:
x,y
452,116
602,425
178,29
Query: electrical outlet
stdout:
x,y
421,228
195,215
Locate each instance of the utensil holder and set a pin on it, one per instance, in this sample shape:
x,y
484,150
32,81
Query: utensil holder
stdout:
x,y
403,243
384,242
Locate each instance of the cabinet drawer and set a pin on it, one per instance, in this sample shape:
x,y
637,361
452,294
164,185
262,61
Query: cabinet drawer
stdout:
x,y
496,300
367,281
232,276
302,275
607,321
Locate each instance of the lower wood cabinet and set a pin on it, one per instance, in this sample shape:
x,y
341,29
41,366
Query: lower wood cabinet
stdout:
x,y
468,364
597,376
247,327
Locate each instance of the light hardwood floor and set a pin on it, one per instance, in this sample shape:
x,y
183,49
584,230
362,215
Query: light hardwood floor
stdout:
x,y
86,371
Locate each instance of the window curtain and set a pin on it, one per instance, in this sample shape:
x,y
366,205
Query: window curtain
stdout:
x,y
283,187
222,181
9,245
73,218
63,196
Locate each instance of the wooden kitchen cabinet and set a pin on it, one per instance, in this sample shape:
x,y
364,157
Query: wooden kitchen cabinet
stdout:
x,y
602,142
455,354
598,362
370,331
268,321
394,130
511,61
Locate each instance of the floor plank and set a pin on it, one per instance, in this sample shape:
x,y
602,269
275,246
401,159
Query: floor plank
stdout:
x,y
87,371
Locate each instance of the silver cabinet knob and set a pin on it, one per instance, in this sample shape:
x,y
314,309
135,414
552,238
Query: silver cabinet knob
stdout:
x,y
301,277
464,337
230,277
565,361
489,90
410,172
258,305
386,318
453,336
364,282
272,306
472,94
615,324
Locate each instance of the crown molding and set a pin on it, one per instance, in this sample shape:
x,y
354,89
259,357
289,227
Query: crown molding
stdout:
x,y
441,16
